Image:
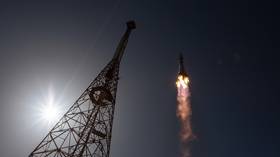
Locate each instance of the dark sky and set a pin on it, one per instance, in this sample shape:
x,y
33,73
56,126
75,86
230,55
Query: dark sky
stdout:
x,y
231,51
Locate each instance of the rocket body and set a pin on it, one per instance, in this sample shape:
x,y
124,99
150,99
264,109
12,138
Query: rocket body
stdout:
x,y
182,71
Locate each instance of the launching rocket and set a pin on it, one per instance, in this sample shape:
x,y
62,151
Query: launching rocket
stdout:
x,y
182,71
184,111
182,79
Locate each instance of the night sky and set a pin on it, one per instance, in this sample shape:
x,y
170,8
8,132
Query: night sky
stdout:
x,y
231,51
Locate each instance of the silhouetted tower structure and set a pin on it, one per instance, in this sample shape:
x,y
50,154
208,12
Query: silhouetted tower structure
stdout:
x,y
86,128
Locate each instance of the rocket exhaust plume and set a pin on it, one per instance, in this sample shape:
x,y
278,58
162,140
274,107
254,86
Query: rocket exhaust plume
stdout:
x,y
184,109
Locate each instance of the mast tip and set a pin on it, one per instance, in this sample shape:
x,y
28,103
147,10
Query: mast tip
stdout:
x,y
131,24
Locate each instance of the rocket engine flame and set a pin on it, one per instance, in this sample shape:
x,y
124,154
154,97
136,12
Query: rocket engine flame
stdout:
x,y
184,113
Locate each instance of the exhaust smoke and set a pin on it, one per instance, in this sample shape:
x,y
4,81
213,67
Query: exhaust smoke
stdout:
x,y
184,113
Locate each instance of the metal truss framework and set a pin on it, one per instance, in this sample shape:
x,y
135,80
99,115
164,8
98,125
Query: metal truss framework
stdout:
x,y
86,128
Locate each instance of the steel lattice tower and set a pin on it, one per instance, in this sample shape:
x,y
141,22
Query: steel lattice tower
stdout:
x,y
85,130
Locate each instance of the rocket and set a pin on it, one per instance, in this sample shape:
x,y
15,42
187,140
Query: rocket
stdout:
x,y
182,78
182,71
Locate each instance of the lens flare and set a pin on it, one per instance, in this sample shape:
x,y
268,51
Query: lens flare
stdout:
x,y
184,112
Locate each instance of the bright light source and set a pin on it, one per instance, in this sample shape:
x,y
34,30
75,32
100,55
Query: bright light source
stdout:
x,y
49,110
50,113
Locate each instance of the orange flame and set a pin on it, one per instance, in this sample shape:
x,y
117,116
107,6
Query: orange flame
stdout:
x,y
182,81
184,112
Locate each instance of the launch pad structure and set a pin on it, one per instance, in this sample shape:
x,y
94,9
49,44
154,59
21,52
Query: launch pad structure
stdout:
x,y
85,130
